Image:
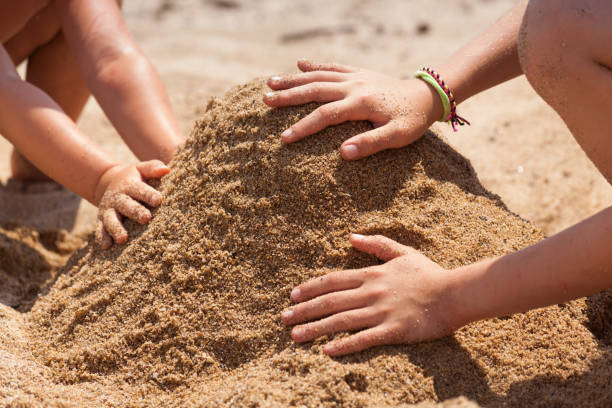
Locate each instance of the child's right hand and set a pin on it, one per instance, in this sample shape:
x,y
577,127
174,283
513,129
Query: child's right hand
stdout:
x,y
120,192
400,110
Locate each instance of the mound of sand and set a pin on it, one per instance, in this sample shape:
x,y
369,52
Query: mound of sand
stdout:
x,y
187,313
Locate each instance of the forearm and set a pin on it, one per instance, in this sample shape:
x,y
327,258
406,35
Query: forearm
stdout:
x,y
42,132
574,263
123,81
487,60
132,95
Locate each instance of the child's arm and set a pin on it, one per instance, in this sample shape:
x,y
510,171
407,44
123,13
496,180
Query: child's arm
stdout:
x,y
400,110
47,137
121,78
410,298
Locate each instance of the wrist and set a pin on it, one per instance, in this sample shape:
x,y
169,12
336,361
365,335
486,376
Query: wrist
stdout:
x,y
103,182
464,297
431,103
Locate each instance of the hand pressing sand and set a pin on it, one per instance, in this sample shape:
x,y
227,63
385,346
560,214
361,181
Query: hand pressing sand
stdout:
x,y
401,111
119,193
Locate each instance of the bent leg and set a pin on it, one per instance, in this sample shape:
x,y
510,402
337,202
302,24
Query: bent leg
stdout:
x,y
52,68
565,53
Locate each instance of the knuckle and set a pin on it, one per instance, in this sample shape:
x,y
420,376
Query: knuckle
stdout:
x,y
321,113
378,292
368,100
327,111
373,273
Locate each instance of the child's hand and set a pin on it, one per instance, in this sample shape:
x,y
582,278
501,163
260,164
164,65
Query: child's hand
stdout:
x,y
120,192
402,301
400,111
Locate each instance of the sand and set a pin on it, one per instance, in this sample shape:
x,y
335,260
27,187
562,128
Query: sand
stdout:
x,y
187,313
29,262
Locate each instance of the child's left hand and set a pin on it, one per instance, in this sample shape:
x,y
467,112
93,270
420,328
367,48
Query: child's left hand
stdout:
x,y
120,192
404,300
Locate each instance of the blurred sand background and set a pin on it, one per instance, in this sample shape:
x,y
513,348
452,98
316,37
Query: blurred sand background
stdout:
x,y
519,147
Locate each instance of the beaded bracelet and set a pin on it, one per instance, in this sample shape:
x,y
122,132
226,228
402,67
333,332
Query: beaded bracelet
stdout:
x,y
448,100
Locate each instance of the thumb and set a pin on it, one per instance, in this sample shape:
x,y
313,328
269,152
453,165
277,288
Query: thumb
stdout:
x,y
368,143
152,169
383,248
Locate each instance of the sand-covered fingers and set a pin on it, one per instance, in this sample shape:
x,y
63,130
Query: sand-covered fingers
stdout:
x,y
380,246
341,322
144,193
324,305
376,336
102,237
306,65
112,224
332,282
300,95
326,115
122,191
130,208
282,82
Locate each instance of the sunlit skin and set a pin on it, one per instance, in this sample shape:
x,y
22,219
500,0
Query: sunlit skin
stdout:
x,y
74,48
563,49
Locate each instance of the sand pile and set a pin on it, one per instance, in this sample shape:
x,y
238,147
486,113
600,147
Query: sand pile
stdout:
x,y
187,313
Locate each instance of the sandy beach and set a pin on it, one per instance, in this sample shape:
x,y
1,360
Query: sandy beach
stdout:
x,y
519,148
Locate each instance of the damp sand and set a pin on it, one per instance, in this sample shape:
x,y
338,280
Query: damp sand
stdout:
x,y
187,313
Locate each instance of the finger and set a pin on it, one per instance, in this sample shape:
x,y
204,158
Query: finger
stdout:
x,y
315,92
291,81
382,247
307,66
144,193
325,115
132,209
102,237
322,306
113,225
332,282
370,142
365,339
341,322
152,169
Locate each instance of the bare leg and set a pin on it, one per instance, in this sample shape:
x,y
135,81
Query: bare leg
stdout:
x,y
51,67
565,53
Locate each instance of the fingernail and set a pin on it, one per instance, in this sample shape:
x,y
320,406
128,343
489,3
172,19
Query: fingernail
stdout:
x,y
295,294
270,95
287,134
358,236
298,333
287,314
275,78
349,152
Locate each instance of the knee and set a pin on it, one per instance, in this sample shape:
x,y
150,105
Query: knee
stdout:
x,y
552,42
39,30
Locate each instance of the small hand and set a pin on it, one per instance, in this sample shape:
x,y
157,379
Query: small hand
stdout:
x,y
401,301
400,111
120,192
